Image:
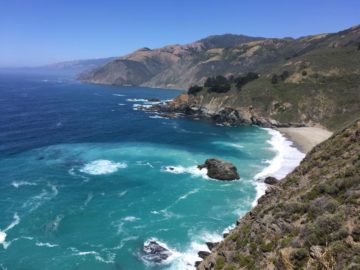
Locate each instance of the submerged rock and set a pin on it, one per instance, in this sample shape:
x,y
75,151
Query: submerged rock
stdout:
x,y
155,252
153,99
220,169
270,180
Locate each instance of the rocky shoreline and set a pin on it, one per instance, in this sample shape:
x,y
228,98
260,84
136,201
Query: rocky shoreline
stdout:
x,y
185,105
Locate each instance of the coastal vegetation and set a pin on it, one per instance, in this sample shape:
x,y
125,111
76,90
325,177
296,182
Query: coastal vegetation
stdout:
x,y
309,220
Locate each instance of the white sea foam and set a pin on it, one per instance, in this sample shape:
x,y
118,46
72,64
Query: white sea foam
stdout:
x,y
136,100
157,117
14,223
2,237
110,257
186,260
122,243
102,166
55,224
36,201
183,197
229,144
136,107
122,193
130,218
3,232
17,184
193,170
287,157
89,197
118,95
229,228
41,244
121,104
141,163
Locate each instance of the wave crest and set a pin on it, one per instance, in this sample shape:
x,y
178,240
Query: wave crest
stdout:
x,y
102,166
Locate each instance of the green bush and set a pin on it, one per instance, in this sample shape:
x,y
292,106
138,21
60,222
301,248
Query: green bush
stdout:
x,y
299,257
193,90
356,233
266,247
220,263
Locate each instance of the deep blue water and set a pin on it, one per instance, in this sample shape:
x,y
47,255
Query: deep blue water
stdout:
x,y
84,180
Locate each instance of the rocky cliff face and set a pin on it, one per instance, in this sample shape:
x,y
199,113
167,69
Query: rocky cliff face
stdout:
x,y
308,220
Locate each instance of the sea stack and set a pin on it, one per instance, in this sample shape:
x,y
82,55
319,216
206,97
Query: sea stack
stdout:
x,y
220,169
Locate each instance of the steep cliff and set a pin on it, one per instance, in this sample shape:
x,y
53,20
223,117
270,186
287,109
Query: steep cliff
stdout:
x,y
308,220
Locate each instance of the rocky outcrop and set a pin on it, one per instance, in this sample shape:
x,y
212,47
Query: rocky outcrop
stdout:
x,y
155,252
270,180
203,254
220,169
308,220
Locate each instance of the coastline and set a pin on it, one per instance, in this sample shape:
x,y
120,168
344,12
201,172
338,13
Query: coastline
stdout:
x,y
305,138
287,157
290,146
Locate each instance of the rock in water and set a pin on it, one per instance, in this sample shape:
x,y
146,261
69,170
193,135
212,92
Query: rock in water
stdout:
x,y
270,180
220,169
155,252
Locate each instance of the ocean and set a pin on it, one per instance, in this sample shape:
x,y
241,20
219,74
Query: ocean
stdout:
x,y
86,177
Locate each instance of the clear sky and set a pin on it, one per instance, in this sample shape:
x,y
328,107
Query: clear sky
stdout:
x,y
36,32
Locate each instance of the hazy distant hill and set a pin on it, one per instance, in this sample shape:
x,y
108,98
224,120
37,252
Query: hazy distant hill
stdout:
x,y
173,66
69,68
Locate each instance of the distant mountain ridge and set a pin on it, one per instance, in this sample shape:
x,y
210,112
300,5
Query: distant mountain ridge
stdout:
x,y
180,66
171,66
71,68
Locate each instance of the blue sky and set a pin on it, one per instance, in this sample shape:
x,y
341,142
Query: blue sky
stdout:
x,y
36,32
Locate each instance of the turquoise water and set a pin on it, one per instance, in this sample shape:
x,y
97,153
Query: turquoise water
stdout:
x,y
85,180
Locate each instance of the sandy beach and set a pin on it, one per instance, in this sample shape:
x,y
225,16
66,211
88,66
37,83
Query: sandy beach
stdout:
x,y
306,138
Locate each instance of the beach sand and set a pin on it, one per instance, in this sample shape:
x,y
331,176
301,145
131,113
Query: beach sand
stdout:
x,y
305,138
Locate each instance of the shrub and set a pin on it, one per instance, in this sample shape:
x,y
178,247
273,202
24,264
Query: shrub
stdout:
x,y
218,84
222,88
284,75
220,263
338,247
242,80
356,233
323,229
299,257
274,79
193,90
266,247
243,260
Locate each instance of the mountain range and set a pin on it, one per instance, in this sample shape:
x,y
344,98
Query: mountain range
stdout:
x,y
180,66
